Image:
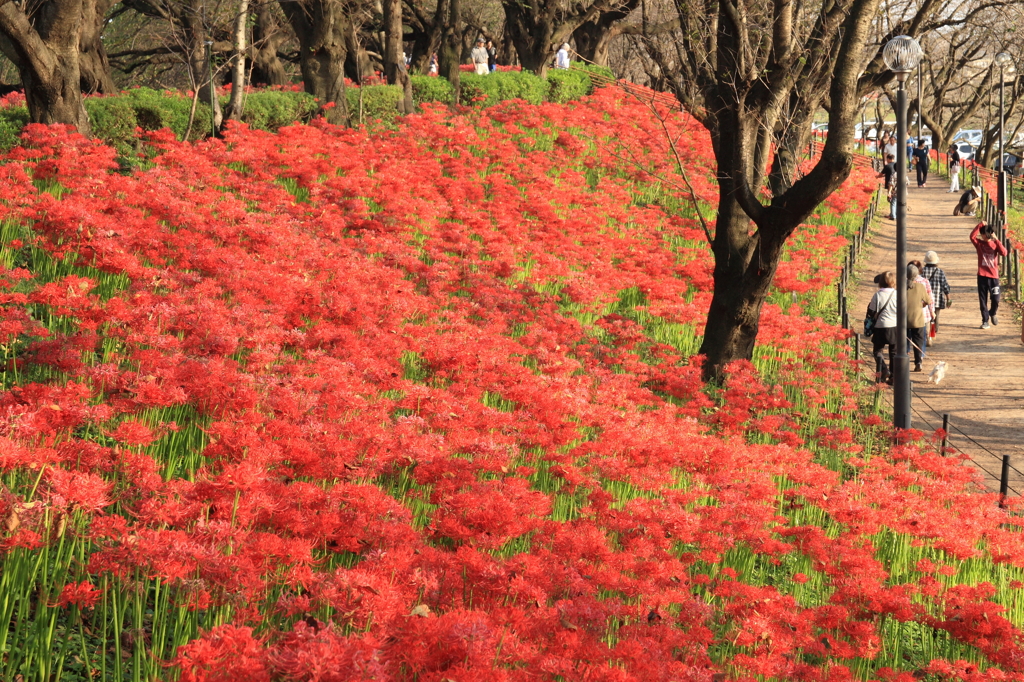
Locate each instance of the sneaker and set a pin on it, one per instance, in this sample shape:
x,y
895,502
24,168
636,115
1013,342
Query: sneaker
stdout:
x,y
917,368
984,325
995,322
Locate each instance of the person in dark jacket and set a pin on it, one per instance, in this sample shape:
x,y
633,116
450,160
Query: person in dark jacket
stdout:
x,y
921,162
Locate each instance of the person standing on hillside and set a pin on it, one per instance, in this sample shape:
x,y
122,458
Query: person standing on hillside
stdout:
x,y
954,169
480,58
889,173
940,286
562,57
921,161
492,57
989,250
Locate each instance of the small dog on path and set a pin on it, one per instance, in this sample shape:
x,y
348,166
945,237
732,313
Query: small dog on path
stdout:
x,y
969,200
938,372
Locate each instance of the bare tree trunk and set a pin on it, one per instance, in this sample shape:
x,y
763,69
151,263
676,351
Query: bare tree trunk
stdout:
x,y
45,49
94,69
393,61
267,36
199,58
450,56
320,26
238,73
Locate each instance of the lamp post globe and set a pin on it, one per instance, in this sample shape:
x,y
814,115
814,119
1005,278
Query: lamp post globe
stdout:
x,y
1002,59
901,55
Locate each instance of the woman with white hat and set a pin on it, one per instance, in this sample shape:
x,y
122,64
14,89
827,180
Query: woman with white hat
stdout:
x,y
940,287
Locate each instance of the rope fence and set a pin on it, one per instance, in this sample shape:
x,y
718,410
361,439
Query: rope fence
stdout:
x,y
1011,274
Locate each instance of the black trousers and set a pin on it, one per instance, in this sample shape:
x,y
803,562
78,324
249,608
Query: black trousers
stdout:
x,y
922,173
916,337
880,338
988,296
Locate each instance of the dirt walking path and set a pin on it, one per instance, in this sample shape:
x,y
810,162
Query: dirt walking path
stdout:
x,y
983,390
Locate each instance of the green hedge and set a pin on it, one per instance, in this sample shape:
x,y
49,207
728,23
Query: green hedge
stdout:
x,y
431,89
115,118
380,103
503,85
12,120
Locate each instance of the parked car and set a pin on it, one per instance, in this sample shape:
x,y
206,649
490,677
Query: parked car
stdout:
x,y
966,150
1012,163
972,137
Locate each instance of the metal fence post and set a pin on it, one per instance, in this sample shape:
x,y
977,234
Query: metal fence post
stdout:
x,y
945,433
1004,480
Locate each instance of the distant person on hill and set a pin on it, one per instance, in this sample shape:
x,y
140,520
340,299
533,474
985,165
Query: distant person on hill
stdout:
x,y
492,54
433,64
562,57
928,310
921,161
969,200
916,303
480,58
940,287
889,173
989,250
954,169
883,309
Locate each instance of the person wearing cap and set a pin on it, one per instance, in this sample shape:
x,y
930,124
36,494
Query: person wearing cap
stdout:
x,y
989,250
969,201
480,58
562,57
940,286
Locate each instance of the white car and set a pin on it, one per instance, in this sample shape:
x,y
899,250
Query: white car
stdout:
x,y
972,137
966,150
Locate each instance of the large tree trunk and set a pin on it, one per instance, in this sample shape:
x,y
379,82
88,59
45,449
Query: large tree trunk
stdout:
x,y
393,62
450,56
531,33
94,68
267,36
357,63
320,26
45,49
745,266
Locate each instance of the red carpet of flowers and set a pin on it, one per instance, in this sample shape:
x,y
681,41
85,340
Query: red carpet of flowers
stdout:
x,y
421,405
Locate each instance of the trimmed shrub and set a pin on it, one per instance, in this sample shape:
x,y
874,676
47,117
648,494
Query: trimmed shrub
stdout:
x,y
380,103
113,121
156,110
12,120
271,109
503,85
431,89
565,86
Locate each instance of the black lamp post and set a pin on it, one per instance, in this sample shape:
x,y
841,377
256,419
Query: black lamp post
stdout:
x,y
1002,60
901,55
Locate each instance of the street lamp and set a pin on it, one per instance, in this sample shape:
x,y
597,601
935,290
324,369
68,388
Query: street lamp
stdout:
x,y
1002,60
901,55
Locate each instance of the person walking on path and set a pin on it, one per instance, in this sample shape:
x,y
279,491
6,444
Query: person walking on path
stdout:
x,y
940,286
954,169
889,173
480,58
917,303
921,161
890,146
882,309
929,310
989,250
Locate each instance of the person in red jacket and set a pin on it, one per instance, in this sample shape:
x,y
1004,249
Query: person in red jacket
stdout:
x,y
989,250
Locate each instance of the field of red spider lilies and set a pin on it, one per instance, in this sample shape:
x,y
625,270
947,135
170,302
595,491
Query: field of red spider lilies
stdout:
x,y
422,404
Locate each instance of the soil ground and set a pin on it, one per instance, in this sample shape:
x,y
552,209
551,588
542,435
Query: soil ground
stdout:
x,y
983,390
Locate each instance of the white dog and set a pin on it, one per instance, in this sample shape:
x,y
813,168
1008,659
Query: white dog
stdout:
x,y
938,372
